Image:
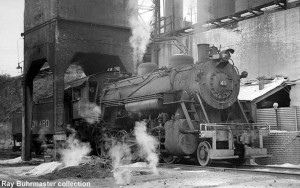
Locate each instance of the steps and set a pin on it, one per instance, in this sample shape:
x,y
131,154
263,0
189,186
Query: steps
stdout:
x,y
190,113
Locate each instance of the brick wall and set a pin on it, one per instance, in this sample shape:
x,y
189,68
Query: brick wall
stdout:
x,y
284,147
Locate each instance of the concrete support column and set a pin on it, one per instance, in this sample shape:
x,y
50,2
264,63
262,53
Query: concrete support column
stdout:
x,y
27,119
155,53
58,102
173,10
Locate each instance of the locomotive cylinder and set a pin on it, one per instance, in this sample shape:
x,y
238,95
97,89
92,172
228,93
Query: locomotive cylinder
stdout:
x,y
177,142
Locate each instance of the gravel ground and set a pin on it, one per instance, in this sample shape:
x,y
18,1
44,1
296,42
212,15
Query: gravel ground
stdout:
x,y
8,154
142,177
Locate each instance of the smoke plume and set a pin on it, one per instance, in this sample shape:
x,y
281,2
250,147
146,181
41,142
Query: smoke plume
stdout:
x,y
140,31
89,111
120,153
203,11
75,150
147,144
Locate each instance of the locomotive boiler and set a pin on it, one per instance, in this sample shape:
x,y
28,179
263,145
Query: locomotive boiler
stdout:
x,y
187,106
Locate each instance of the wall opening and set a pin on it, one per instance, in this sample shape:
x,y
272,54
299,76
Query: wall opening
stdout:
x,y
281,97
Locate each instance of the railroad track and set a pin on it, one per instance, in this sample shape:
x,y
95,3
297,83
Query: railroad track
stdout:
x,y
257,169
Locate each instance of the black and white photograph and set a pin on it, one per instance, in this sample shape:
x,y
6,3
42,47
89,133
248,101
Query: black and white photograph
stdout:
x,y
149,93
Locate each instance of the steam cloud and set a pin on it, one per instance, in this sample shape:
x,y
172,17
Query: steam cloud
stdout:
x,y
147,144
42,139
89,111
75,150
140,31
120,153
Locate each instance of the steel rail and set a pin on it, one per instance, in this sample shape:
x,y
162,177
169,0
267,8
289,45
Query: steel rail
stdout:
x,y
278,168
257,169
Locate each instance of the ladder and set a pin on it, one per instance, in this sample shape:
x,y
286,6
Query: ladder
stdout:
x,y
190,113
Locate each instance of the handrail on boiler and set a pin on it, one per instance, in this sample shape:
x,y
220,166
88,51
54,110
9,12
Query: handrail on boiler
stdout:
x,y
235,126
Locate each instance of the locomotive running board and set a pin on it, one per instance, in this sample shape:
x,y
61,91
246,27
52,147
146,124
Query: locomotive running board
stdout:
x,y
222,154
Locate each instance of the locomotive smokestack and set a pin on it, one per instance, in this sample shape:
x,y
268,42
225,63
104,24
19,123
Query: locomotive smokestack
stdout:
x,y
203,52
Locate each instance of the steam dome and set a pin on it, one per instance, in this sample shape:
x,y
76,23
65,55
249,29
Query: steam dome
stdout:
x,y
179,60
146,68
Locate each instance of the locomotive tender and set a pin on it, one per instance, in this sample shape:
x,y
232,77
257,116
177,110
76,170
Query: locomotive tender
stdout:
x,y
191,108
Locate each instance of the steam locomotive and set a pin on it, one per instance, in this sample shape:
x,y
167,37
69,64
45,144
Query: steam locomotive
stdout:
x,y
191,108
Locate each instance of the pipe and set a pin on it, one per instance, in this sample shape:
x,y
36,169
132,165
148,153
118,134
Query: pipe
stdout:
x,y
152,104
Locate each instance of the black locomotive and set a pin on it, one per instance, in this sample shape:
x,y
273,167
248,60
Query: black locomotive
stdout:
x,y
191,107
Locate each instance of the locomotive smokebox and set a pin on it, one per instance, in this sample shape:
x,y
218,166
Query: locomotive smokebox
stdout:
x,y
203,52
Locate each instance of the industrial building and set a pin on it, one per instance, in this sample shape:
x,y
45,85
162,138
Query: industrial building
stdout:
x,y
263,34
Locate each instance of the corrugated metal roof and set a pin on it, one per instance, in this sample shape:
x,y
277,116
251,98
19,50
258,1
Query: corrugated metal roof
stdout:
x,y
251,92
